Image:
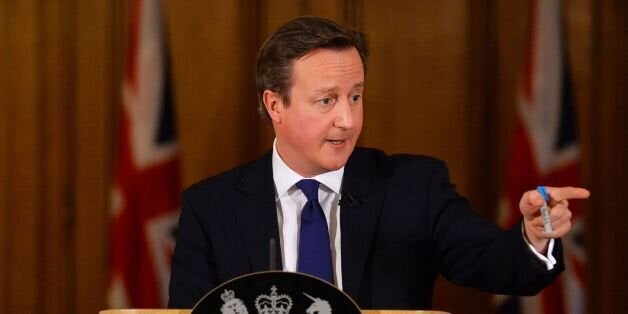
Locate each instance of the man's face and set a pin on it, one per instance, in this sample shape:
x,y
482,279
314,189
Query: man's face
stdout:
x,y
317,132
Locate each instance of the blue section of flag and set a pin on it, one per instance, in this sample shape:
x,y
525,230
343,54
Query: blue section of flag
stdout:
x,y
567,132
167,128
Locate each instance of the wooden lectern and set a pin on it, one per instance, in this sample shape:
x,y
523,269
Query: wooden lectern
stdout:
x,y
289,292
156,311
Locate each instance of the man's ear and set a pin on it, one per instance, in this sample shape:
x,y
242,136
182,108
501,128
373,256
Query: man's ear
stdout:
x,y
273,104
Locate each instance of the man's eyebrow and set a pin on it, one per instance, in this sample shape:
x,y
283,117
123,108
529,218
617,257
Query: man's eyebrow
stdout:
x,y
325,90
333,88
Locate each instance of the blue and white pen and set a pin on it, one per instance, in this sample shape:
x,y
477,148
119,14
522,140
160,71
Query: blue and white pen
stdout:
x,y
547,224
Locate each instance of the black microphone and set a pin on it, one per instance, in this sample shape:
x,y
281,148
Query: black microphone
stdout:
x,y
272,250
349,200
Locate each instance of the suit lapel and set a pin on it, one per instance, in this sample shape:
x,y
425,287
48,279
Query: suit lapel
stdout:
x,y
256,214
358,218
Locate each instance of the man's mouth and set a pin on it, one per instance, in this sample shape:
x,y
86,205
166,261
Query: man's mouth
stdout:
x,y
336,142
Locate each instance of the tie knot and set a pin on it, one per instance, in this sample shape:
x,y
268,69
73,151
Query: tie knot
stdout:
x,y
309,187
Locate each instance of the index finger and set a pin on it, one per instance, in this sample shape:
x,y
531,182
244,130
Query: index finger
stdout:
x,y
566,193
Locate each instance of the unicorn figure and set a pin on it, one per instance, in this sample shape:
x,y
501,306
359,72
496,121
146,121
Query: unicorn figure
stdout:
x,y
319,306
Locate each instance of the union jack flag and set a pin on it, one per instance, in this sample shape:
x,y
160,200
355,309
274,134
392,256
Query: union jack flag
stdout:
x,y
145,196
544,151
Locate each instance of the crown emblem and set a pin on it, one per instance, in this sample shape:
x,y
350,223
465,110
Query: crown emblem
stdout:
x,y
232,304
273,303
227,296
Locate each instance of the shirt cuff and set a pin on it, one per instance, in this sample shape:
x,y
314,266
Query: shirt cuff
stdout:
x,y
548,259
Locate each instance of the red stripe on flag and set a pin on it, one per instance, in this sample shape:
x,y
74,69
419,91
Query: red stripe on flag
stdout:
x,y
552,298
522,171
578,267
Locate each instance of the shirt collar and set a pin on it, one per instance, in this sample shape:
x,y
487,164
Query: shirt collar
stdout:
x,y
285,178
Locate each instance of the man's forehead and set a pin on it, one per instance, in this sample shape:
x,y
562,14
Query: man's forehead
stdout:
x,y
325,62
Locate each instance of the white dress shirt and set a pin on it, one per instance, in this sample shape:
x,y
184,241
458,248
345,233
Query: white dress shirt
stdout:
x,y
290,201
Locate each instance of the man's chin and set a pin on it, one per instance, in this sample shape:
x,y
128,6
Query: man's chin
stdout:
x,y
337,164
338,157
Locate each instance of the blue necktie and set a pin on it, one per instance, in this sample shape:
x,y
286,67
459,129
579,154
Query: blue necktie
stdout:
x,y
314,252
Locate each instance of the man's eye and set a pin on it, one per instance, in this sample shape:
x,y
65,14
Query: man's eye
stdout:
x,y
355,98
327,101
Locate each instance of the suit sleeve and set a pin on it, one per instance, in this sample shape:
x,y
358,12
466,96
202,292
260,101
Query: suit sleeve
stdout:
x,y
192,274
474,252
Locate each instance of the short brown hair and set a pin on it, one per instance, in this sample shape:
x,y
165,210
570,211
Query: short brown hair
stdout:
x,y
292,41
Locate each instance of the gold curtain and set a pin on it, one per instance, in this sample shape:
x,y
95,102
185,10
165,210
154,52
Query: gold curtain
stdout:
x,y
442,81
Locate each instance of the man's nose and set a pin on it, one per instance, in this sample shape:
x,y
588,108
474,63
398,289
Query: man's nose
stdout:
x,y
344,115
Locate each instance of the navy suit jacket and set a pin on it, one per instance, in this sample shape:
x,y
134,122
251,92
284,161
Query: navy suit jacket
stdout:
x,y
402,225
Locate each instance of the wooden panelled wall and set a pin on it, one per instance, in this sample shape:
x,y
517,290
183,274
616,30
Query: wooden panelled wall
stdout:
x,y
59,87
442,81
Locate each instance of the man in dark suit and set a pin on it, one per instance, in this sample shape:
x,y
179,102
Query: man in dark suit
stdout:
x,y
391,223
